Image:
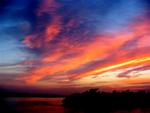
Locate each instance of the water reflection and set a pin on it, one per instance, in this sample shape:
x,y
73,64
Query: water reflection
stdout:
x,y
37,105
43,105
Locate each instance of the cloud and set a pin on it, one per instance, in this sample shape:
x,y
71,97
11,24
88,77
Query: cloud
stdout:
x,y
85,41
134,71
94,57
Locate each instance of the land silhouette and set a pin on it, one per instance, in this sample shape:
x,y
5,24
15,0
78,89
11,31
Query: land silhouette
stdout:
x,y
95,101
90,101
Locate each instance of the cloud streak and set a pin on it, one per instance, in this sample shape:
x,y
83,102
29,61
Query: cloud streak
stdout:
x,y
82,43
96,56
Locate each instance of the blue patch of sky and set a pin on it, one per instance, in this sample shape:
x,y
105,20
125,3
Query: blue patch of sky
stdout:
x,y
13,28
121,14
102,15
10,51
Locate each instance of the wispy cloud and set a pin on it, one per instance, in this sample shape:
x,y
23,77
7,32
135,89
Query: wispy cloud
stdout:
x,y
71,43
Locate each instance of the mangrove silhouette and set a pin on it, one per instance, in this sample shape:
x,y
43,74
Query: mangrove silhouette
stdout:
x,y
95,101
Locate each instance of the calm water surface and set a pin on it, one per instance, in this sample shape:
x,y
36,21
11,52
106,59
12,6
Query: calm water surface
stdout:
x,y
37,105
47,105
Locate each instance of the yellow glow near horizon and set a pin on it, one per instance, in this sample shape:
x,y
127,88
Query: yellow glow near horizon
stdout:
x,y
135,61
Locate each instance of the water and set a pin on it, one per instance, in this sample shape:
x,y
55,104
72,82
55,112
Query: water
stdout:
x,y
37,105
47,105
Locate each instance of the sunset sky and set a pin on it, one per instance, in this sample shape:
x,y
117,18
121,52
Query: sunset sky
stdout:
x,y
75,43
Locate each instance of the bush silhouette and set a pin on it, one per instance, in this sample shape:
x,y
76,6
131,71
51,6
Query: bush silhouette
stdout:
x,y
94,101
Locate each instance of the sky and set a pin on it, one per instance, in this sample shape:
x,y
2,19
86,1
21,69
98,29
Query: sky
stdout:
x,y
75,44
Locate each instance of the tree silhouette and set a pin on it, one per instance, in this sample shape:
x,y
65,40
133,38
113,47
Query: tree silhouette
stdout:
x,y
94,101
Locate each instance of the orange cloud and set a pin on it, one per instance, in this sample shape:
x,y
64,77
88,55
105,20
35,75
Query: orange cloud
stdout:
x,y
53,29
37,40
125,49
116,66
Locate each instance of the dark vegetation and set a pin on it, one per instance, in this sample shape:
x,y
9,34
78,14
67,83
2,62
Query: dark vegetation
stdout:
x,y
94,101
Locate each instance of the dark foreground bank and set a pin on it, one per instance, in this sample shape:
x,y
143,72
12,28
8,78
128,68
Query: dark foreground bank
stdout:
x,y
94,101
48,105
